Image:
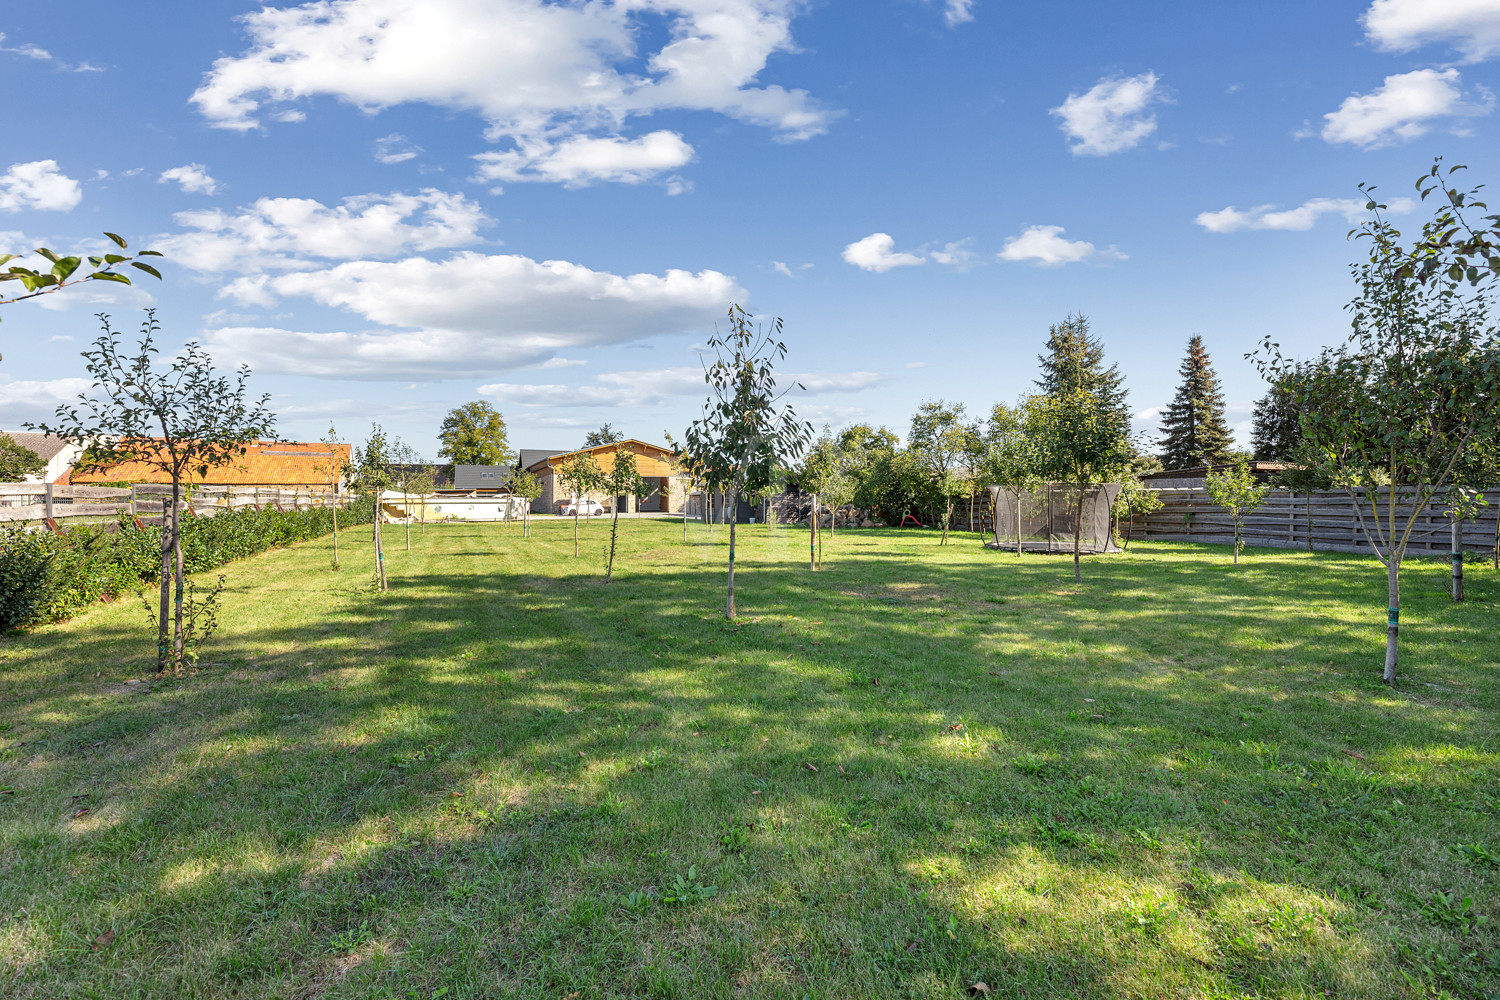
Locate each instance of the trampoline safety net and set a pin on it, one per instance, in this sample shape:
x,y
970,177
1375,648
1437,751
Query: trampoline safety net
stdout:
x,y
1047,516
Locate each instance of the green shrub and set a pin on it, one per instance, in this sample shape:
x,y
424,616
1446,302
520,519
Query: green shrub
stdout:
x,y
25,564
48,577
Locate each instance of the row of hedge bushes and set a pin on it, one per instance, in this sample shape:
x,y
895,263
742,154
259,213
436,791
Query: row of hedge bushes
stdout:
x,y
48,576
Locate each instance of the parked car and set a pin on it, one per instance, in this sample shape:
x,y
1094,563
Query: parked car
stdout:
x,y
586,508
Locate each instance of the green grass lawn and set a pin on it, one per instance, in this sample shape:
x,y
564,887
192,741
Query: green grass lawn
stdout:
x,y
920,768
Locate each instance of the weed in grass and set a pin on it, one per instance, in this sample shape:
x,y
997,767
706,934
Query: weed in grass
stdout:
x,y
1478,854
350,940
1448,910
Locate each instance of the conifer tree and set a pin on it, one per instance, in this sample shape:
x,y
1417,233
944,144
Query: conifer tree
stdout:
x,y
1074,362
1193,430
1275,433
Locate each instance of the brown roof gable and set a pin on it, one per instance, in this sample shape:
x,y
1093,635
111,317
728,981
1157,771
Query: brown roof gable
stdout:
x,y
642,448
265,463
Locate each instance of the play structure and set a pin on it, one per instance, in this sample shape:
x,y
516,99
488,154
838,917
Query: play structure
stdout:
x,y
1048,514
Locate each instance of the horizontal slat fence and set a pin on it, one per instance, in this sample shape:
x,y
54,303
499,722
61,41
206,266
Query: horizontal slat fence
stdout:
x,y
1188,515
37,502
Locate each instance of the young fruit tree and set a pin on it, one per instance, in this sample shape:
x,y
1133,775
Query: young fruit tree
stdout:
x,y
178,419
1010,459
623,480
579,475
334,467
1081,444
941,442
1236,490
746,432
1134,501
372,475
1413,392
406,461
527,487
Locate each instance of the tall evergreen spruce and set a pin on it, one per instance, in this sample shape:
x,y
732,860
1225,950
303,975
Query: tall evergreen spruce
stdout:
x,y
1194,430
1074,362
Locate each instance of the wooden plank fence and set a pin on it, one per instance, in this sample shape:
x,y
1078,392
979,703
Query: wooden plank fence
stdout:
x,y
1187,515
37,503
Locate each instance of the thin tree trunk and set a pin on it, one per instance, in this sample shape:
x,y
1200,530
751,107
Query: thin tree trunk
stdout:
x,y
379,551
1018,522
1393,619
684,519
729,596
1236,541
812,535
164,623
335,533
1497,542
614,528
1458,560
1309,521
947,516
406,512
177,637
1078,538
423,529
575,529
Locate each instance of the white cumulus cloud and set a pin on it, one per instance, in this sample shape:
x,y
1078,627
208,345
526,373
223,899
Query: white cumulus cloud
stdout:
x,y
471,313
192,178
395,148
540,73
38,185
22,400
1111,116
956,12
1401,109
1472,27
877,253
1303,217
655,387
282,233
582,160
1045,245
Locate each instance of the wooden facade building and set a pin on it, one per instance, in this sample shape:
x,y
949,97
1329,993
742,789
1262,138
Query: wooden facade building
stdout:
x,y
657,464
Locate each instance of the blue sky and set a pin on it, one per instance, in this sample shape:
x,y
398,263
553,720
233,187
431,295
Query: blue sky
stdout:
x,y
389,207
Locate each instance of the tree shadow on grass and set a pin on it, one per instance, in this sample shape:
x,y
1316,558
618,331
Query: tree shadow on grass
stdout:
x,y
477,771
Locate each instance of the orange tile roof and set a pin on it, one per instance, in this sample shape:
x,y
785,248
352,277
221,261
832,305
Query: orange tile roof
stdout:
x,y
265,463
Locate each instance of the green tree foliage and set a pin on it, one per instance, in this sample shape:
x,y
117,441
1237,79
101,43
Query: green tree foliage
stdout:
x,y
623,480
606,434
372,474
1074,362
17,461
1194,431
942,443
65,270
181,419
893,484
1134,500
1080,442
526,487
1412,394
747,433
1307,472
1010,459
473,434
1236,490
1276,430
862,440
333,467
578,476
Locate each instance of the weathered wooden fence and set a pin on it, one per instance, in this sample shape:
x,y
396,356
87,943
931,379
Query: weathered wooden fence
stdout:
x,y
39,503
1187,515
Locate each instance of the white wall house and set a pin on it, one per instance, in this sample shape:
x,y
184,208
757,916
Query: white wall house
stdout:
x,y
57,453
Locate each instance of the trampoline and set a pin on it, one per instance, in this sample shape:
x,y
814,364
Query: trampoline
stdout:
x,y
1047,516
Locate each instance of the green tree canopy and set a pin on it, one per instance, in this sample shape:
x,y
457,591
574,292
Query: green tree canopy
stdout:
x,y
942,442
1194,430
1276,429
17,461
606,434
1074,362
1078,442
473,434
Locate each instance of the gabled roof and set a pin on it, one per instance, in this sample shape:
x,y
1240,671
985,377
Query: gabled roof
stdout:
x,y
45,446
532,456
265,463
482,477
549,459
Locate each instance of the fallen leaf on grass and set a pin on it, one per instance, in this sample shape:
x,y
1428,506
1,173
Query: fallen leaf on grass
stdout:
x,y
955,727
81,813
7,790
875,681
841,768
1356,756
979,989
457,795
811,767
104,940
911,947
